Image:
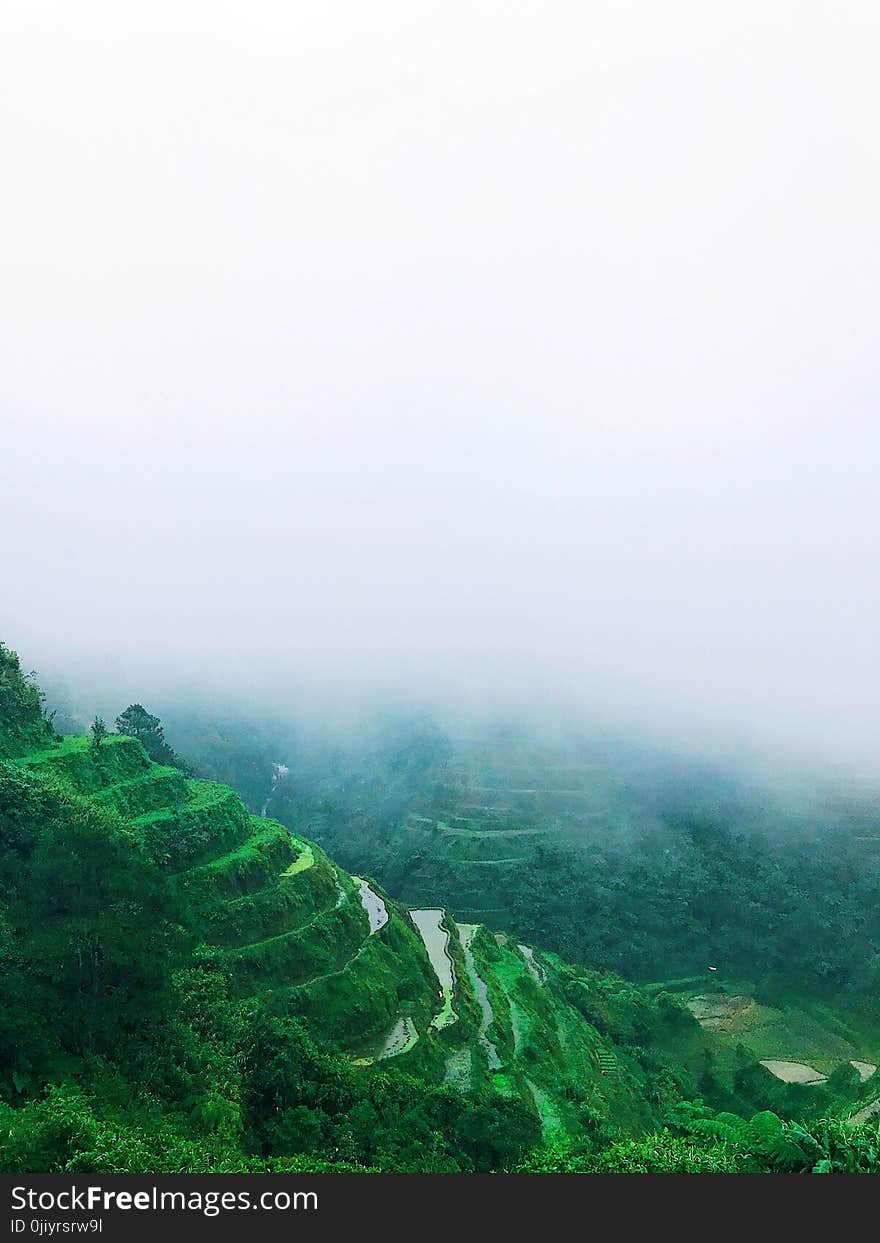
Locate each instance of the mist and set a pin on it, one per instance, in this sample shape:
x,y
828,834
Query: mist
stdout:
x,y
480,355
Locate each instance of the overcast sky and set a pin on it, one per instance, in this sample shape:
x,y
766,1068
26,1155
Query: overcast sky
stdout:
x,y
476,348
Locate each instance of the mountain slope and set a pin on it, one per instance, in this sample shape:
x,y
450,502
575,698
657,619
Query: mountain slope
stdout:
x,y
643,863
195,987
293,931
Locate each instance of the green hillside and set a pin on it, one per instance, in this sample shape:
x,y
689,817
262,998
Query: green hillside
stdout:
x,y
291,930
190,986
607,852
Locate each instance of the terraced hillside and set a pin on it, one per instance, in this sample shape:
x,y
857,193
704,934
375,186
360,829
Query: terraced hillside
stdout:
x,y
414,989
188,986
607,853
472,816
800,1040
291,927
461,818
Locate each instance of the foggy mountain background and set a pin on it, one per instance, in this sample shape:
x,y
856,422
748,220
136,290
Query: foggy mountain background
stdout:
x,y
479,356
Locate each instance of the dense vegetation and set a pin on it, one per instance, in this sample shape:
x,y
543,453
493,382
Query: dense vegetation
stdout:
x,y
634,861
21,707
127,1040
186,986
136,722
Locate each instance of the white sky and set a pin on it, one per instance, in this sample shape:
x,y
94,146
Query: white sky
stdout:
x,y
466,347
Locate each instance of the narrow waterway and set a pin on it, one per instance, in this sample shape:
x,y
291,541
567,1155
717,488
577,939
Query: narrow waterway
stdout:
x,y
402,1037
466,935
377,911
547,1111
436,942
279,772
536,971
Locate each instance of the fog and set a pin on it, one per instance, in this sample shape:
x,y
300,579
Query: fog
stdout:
x,y
485,353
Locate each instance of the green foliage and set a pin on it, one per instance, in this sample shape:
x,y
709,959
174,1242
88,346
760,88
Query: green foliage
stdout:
x,y
246,869
358,1002
653,1154
845,1080
137,723
186,987
75,763
89,931
156,789
635,863
127,1051
829,1147
281,904
213,820
324,944
22,724
98,733
725,1144
68,1132
666,1154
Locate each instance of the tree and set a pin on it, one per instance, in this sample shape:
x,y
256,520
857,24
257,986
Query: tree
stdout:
x,y
137,722
99,732
89,935
845,1080
22,724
